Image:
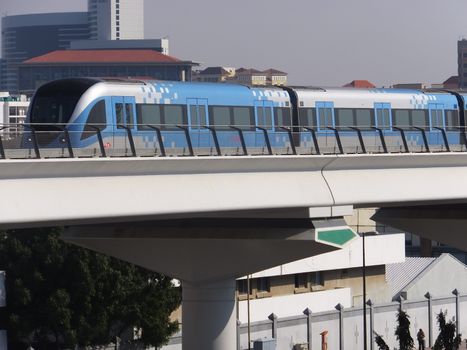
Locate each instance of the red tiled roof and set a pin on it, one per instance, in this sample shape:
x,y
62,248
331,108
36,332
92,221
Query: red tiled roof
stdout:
x,y
103,56
360,84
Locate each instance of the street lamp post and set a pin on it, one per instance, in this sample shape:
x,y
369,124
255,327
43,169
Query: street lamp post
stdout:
x,y
364,293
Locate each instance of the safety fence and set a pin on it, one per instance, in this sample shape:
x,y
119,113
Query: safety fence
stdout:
x,y
97,140
342,328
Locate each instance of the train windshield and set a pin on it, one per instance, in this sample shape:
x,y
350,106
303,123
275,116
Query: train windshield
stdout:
x,y
55,102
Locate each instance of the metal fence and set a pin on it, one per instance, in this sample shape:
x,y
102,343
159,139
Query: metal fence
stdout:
x,y
74,140
344,327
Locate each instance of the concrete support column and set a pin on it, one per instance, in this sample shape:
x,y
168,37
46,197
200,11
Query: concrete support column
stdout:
x,y
372,324
340,308
208,316
456,293
309,338
430,320
273,318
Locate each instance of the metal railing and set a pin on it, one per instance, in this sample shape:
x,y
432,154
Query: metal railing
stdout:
x,y
66,141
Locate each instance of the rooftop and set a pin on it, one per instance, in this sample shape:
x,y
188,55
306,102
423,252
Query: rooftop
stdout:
x,y
103,56
360,84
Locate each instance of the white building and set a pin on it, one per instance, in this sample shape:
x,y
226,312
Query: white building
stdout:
x,y
13,110
116,19
322,281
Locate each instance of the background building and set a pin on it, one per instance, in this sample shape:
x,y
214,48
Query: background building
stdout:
x,y
116,19
362,84
142,64
27,36
160,45
462,63
245,76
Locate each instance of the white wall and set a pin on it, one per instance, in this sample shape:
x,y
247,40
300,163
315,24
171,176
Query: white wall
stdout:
x,y
446,271
292,305
380,250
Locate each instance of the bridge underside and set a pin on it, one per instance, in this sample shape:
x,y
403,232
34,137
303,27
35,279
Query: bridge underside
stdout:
x,y
207,255
443,223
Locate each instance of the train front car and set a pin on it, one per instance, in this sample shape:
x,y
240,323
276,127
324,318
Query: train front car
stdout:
x,y
376,120
52,126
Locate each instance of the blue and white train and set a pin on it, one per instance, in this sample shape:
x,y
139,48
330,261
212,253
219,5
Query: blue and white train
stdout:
x,y
157,117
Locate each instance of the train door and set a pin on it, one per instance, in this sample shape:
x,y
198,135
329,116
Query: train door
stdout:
x,y
436,120
325,119
436,111
383,121
198,119
383,118
325,115
124,119
264,119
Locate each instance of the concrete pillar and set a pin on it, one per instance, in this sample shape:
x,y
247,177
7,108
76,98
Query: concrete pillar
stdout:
x,y
456,293
238,334
372,324
273,318
309,338
208,315
430,320
340,307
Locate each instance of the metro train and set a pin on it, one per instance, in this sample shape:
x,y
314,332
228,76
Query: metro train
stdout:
x,y
165,117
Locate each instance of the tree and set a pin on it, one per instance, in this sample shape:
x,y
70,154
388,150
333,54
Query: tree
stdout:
x,y
403,331
447,338
61,296
380,342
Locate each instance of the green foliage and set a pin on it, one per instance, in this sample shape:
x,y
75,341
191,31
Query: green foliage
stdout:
x,y
447,338
380,342
61,296
403,331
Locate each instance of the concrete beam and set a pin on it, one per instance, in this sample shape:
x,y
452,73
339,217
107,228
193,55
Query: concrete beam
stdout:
x,y
204,250
443,223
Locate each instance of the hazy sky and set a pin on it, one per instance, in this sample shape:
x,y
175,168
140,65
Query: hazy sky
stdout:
x,y
318,42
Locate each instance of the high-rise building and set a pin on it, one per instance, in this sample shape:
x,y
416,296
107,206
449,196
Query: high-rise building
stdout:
x,y
462,62
27,36
116,19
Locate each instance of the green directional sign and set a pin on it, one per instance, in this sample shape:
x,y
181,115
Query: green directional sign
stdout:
x,y
338,236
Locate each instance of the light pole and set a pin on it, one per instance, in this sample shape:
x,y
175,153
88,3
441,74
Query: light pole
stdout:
x,y
364,293
363,235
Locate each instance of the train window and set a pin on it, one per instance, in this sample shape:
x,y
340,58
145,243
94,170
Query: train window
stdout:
x,y
174,115
148,115
119,114
242,117
307,117
401,117
129,115
365,118
344,117
452,119
220,117
282,117
420,118
96,118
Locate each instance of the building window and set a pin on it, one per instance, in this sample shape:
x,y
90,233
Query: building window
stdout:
x,y
301,280
317,278
118,18
242,287
263,285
